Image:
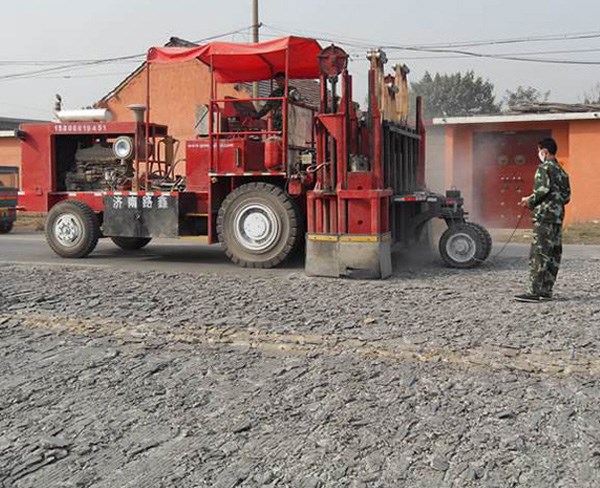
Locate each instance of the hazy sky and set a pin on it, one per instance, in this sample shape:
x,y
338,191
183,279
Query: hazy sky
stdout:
x,y
39,31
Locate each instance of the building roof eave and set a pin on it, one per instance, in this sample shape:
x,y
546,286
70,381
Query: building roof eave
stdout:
x,y
173,41
121,85
502,119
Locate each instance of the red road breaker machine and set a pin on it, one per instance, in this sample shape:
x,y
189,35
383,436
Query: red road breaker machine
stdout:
x,y
345,185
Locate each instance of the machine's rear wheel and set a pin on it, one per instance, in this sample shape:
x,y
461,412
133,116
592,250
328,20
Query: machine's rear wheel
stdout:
x,y
72,229
258,225
5,227
130,243
462,246
487,238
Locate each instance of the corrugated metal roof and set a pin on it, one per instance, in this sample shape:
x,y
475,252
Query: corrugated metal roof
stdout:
x,y
310,90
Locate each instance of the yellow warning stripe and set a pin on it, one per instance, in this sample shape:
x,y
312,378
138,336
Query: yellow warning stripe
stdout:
x,y
364,238
322,237
195,238
350,238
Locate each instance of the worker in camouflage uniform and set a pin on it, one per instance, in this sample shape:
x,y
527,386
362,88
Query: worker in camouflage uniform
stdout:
x,y
274,106
551,192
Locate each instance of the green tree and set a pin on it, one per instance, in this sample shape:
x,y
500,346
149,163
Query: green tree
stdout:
x,y
457,94
525,95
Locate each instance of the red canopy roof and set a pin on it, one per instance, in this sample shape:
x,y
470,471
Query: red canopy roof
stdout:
x,y
234,62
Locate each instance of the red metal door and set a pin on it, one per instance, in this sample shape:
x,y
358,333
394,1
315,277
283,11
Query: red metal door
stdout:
x,y
505,164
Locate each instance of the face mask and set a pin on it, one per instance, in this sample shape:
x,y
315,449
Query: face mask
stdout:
x,y
541,156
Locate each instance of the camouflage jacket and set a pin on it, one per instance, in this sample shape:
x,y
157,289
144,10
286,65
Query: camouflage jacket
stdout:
x,y
551,192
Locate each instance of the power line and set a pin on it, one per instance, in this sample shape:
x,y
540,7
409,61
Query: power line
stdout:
x,y
443,51
542,38
69,77
506,57
27,74
473,54
50,62
96,62
347,40
368,43
440,51
357,55
454,56
35,109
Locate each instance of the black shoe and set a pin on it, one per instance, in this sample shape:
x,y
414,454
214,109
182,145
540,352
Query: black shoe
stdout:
x,y
528,297
546,298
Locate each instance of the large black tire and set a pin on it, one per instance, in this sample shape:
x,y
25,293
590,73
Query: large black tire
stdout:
x,y
462,246
130,243
72,229
486,236
259,225
6,227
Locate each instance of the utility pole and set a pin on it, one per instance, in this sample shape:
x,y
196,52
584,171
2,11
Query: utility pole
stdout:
x,y
255,26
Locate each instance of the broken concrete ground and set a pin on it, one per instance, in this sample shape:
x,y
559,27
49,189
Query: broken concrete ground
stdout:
x,y
432,378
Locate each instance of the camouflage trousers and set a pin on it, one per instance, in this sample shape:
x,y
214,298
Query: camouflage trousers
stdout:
x,y
544,257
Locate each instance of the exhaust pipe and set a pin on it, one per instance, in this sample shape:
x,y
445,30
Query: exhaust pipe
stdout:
x,y
138,112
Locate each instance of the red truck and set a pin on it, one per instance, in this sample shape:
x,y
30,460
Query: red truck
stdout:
x,y
345,186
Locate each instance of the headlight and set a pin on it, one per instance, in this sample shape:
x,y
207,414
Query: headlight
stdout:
x,y
123,147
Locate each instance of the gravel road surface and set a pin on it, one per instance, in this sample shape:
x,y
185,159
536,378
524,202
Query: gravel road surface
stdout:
x,y
433,378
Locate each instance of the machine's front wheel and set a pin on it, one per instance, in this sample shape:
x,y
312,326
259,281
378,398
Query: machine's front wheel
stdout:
x,y
5,227
130,243
258,225
72,229
487,239
462,246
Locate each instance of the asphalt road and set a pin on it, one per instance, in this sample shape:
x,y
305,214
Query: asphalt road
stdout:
x,y
171,255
